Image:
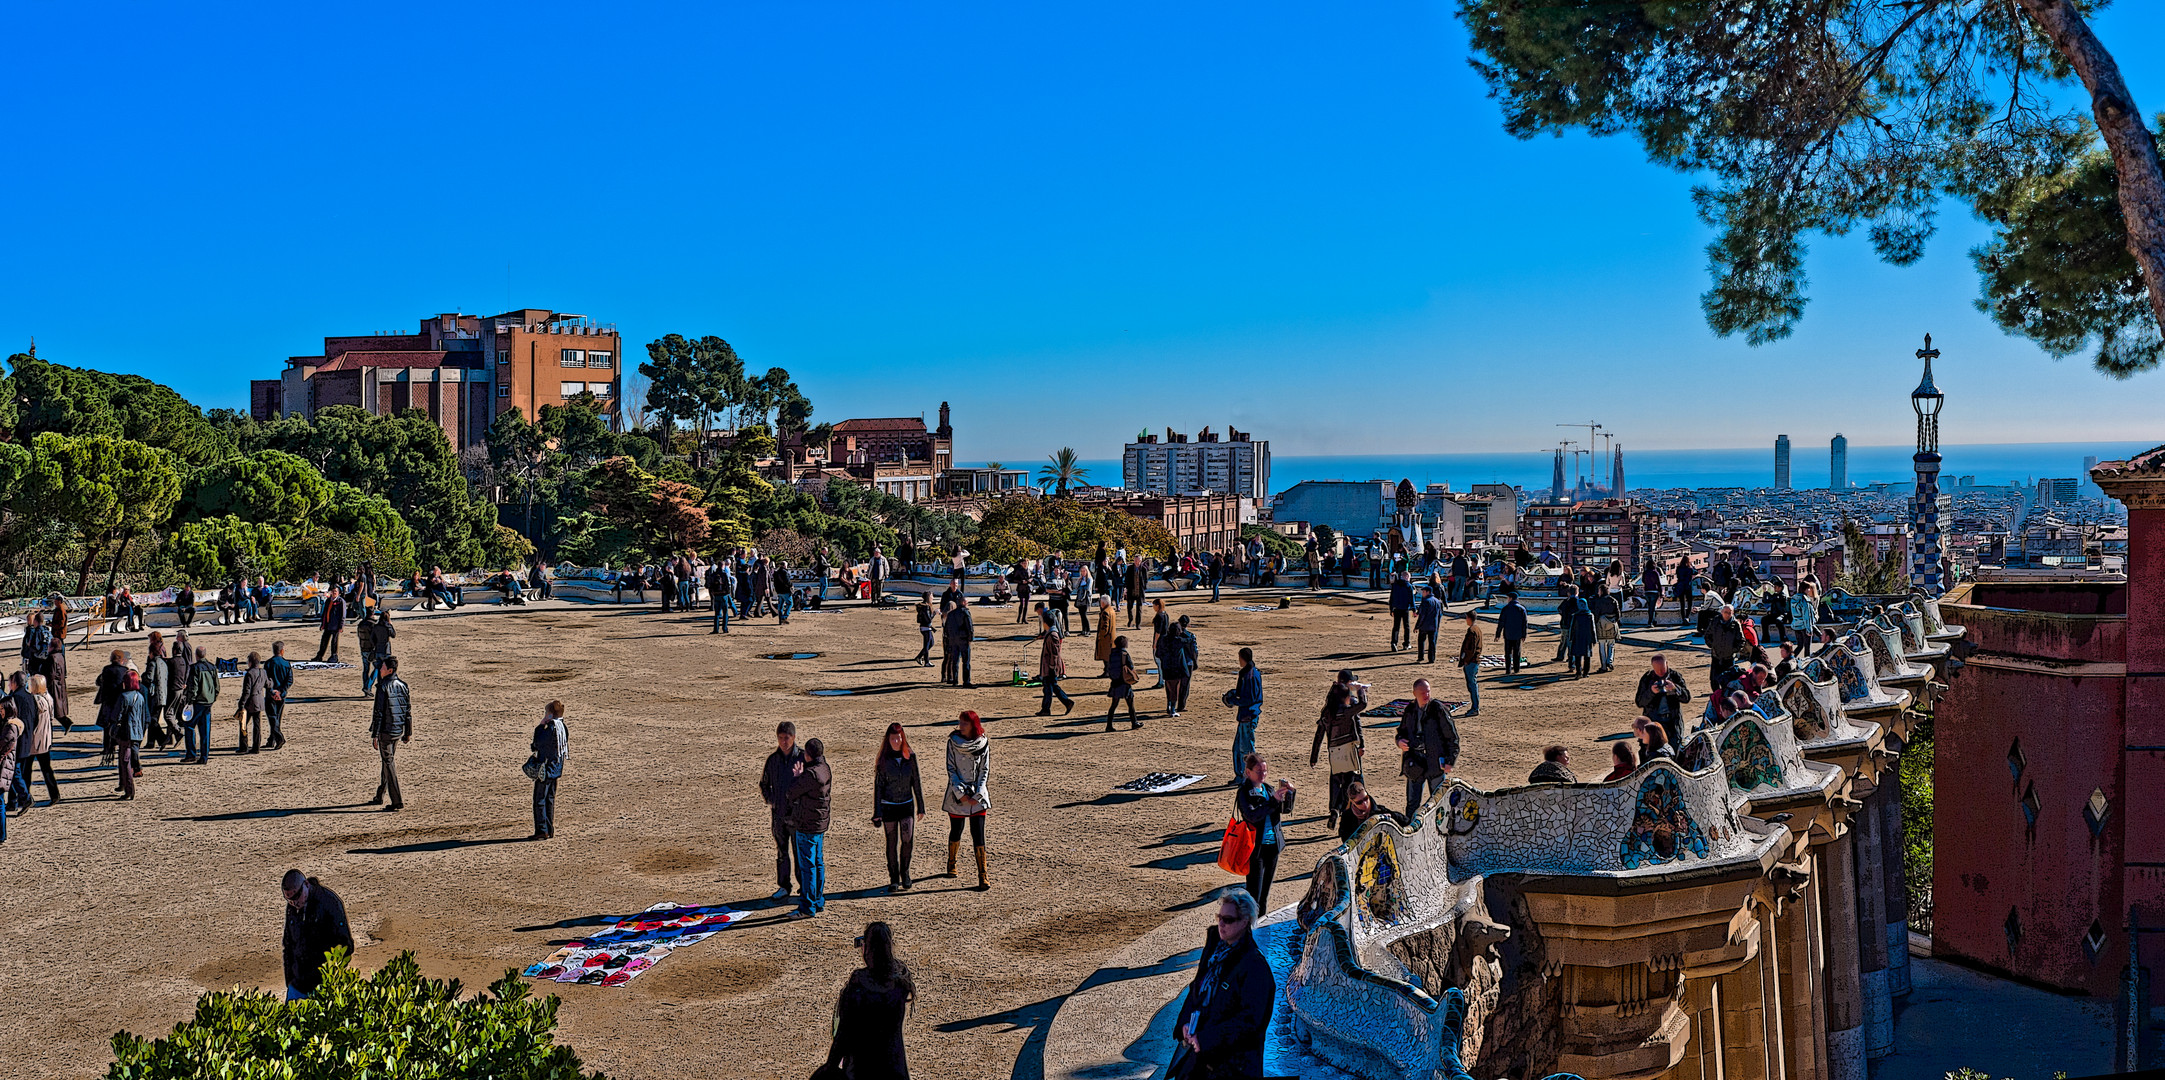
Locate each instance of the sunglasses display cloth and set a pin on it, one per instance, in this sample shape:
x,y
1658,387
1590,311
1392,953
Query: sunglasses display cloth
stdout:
x,y
633,944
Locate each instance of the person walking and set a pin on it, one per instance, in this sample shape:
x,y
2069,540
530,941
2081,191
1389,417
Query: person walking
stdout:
x,y
550,744
1138,582
1261,805
810,800
334,625
131,715
775,777
969,795
1579,632
1608,625
898,803
957,630
1177,655
1051,668
374,633
157,680
876,570
34,707
279,670
1511,630
924,630
11,734
1685,594
390,725
868,1016
1120,678
1724,639
55,668
1401,611
1223,1020
1428,619
315,924
1428,745
1246,701
255,697
1105,635
202,694
179,663
1469,661
1339,728
1650,588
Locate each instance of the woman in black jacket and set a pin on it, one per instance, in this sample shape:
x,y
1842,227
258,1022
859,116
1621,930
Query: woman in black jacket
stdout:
x,y
1261,805
898,803
1120,681
868,1018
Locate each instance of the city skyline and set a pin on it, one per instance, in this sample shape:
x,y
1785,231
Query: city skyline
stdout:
x,y
964,192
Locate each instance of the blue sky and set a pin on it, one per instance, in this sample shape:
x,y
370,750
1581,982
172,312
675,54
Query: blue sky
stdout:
x,y
1300,219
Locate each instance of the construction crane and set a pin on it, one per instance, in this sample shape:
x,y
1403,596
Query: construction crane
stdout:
x,y
1593,431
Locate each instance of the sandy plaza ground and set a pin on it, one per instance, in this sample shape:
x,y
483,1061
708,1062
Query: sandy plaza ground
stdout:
x,y
119,916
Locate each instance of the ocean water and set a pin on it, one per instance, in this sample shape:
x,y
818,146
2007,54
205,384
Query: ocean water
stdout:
x,y
1990,463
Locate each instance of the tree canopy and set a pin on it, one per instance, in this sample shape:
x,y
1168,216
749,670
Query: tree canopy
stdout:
x,y
1022,527
1808,117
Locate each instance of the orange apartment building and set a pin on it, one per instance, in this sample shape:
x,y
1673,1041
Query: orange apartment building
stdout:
x,y
461,370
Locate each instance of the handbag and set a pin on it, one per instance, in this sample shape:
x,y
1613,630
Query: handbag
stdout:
x,y
1127,674
1235,849
532,768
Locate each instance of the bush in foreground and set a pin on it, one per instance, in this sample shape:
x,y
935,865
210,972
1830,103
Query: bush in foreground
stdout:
x,y
392,1025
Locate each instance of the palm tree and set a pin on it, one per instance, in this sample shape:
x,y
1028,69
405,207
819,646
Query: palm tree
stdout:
x,y
1065,469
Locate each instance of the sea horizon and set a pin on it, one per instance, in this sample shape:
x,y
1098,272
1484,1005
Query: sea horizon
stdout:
x,y
1747,467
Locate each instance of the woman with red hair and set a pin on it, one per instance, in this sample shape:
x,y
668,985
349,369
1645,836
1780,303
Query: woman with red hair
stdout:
x,y
969,772
898,803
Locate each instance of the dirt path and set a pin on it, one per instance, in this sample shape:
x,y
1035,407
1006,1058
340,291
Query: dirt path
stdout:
x,y
119,915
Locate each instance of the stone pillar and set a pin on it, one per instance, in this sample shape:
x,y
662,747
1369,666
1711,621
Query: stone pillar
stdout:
x,y
1894,853
1771,997
1743,1022
1871,888
1845,991
1803,1021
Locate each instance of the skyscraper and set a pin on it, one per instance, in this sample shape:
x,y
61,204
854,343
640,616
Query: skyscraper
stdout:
x,y
1838,463
1781,462
2090,490
1617,475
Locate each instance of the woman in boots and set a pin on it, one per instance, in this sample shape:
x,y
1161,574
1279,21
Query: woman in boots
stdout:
x,y
1120,681
898,804
969,773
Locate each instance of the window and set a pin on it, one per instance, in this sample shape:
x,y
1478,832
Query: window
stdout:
x,y
600,359
574,389
2093,942
503,389
2095,811
572,357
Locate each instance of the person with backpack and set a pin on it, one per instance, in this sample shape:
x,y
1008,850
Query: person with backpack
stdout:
x,y
1338,726
811,805
202,694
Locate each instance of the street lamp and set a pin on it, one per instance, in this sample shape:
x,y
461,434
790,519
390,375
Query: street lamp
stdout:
x,y
1926,401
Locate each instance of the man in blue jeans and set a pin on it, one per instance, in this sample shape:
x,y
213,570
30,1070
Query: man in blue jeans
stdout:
x,y
1246,699
1469,660
810,800
202,692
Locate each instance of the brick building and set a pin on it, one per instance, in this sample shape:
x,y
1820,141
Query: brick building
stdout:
x,y
462,370
1197,522
1592,532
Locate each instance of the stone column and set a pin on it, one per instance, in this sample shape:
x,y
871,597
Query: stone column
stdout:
x,y
1872,923
1771,998
1845,991
1803,1021
1894,853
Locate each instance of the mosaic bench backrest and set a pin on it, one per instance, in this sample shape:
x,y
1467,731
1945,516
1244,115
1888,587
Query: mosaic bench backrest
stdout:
x,y
1911,623
1813,702
1933,623
1884,634
1760,753
1658,814
1851,667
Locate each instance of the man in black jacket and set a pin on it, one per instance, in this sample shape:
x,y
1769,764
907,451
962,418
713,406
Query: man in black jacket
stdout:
x,y
811,801
1662,694
1724,638
1401,611
1429,742
391,724
315,924
1511,630
774,780
956,630
1227,1011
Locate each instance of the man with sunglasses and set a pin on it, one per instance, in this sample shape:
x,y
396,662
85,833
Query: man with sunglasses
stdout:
x,y
1223,1020
315,924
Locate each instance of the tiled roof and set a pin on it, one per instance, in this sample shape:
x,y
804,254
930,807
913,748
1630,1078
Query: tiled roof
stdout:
x,y
913,424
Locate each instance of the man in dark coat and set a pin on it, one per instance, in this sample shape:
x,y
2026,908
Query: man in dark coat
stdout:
x,y
956,630
1724,637
1511,630
1427,620
280,673
1227,1011
390,725
1555,768
1662,693
1401,611
315,924
1428,741
334,625
811,802
1138,583
774,780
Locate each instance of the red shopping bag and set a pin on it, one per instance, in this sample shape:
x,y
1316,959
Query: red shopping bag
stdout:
x,y
1238,845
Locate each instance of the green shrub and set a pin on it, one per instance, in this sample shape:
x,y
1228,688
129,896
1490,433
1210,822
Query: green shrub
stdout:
x,y
1916,765
393,1025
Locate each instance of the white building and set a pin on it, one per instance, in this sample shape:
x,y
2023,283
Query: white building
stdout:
x,y
1238,464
